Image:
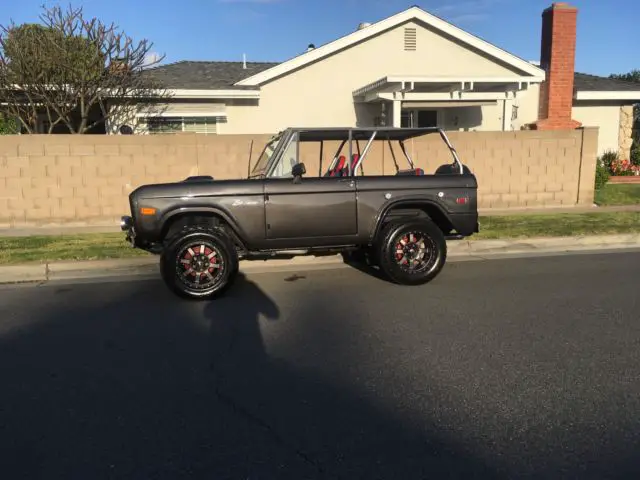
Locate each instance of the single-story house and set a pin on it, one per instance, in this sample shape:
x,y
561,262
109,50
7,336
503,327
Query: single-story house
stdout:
x,y
410,69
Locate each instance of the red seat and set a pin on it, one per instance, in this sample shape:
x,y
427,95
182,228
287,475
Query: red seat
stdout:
x,y
354,160
339,168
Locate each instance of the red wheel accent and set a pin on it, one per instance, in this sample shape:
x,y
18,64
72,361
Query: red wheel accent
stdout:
x,y
193,263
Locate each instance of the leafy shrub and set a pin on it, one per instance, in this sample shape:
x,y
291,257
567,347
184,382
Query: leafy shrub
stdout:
x,y
8,126
602,175
635,153
607,160
617,166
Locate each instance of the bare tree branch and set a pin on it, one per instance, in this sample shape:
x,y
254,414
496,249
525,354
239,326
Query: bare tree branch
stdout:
x,y
76,71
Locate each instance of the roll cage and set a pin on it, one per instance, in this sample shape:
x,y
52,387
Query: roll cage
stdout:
x,y
351,138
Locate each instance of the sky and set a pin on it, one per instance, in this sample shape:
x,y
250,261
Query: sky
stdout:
x,y
275,30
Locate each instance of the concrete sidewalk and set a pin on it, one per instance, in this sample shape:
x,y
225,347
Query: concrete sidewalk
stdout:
x,y
464,250
105,227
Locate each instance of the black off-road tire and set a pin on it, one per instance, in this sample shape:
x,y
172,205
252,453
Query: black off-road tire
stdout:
x,y
390,238
176,251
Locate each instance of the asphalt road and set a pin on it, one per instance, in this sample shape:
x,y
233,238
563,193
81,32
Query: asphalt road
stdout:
x,y
526,368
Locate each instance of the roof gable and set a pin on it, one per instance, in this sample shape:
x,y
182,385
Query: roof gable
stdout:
x,y
413,13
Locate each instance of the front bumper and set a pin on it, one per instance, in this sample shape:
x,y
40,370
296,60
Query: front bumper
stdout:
x,y
126,225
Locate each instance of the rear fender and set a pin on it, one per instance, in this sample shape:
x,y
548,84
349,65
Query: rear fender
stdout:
x,y
414,206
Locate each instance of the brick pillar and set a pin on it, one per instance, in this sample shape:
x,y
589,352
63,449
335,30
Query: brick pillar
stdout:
x,y
557,58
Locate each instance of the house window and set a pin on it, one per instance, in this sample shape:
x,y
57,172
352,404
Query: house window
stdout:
x,y
206,125
410,39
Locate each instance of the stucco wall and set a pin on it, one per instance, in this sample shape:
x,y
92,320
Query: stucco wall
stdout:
x,y
527,103
321,94
605,117
85,179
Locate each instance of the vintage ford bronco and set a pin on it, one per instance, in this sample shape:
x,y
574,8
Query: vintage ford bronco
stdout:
x,y
398,223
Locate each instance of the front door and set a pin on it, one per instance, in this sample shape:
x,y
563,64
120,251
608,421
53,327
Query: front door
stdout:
x,y
313,211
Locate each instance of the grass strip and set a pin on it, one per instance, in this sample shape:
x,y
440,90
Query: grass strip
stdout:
x,y
96,246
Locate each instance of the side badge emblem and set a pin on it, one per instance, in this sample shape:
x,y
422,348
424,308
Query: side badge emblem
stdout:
x,y
387,196
440,194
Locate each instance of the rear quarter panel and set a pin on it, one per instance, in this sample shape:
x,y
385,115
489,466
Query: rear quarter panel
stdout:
x,y
377,194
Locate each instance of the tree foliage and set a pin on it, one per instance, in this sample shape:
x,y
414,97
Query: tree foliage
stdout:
x,y
9,126
632,76
77,72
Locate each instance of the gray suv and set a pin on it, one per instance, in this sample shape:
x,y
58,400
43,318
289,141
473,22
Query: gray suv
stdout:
x,y
398,223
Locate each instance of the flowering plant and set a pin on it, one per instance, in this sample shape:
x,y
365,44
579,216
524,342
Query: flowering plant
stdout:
x,y
624,168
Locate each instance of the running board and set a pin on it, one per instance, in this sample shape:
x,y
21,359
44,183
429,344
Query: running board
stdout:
x,y
289,254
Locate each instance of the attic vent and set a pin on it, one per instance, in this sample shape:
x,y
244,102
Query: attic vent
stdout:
x,y
410,41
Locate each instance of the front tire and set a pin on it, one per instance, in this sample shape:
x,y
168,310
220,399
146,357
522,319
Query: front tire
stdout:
x,y
412,252
199,262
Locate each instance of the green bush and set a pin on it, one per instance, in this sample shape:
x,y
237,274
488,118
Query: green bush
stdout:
x,y
635,153
602,175
9,126
607,159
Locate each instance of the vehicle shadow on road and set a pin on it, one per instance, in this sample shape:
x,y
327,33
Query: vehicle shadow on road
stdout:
x,y
123,380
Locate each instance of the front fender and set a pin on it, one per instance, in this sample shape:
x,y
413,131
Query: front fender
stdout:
x,y
224,214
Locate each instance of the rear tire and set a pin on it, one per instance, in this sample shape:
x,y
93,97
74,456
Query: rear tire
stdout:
x,y
411,252
199,262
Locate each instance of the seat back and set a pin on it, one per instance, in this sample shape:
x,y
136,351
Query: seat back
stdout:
x,y
339,168
354,159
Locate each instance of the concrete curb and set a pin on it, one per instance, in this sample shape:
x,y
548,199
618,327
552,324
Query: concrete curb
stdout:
x,y
23,273
457,250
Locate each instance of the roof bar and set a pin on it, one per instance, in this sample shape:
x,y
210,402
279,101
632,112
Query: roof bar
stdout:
x,y
452,150
364,153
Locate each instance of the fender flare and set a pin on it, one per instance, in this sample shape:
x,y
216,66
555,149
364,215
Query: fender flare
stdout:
x,y
226,216
418,200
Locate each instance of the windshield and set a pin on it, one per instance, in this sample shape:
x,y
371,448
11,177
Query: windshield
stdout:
x,y
265,156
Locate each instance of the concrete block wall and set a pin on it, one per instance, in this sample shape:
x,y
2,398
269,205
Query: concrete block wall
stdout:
x,y
85,179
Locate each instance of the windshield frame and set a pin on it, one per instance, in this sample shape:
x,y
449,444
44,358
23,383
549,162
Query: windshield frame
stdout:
x,y
275,142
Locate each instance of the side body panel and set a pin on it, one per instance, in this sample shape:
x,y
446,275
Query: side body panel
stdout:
x,y
315,211
378,194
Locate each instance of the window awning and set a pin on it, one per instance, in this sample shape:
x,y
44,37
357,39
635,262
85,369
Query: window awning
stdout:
x,y
443,88
452,104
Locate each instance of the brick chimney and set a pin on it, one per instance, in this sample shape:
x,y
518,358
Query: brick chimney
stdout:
x,y
557,58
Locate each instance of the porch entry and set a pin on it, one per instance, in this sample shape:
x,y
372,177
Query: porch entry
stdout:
x,y
412,118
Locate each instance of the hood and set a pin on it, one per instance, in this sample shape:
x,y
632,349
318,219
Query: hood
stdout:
x,y
198,186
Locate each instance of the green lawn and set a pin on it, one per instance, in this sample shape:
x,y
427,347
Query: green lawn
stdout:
x,y
558,225
65,247
112,245
618,194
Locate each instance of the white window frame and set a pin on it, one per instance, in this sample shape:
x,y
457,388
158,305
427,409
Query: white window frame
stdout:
x,y
185,120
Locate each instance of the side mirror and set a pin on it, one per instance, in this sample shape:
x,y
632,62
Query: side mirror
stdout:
x,y
298,170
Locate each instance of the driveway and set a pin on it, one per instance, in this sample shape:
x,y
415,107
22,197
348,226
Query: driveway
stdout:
x,y
525,368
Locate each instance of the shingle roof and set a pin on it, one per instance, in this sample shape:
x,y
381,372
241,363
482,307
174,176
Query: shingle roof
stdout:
x,y
223,75
206,75
591,83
